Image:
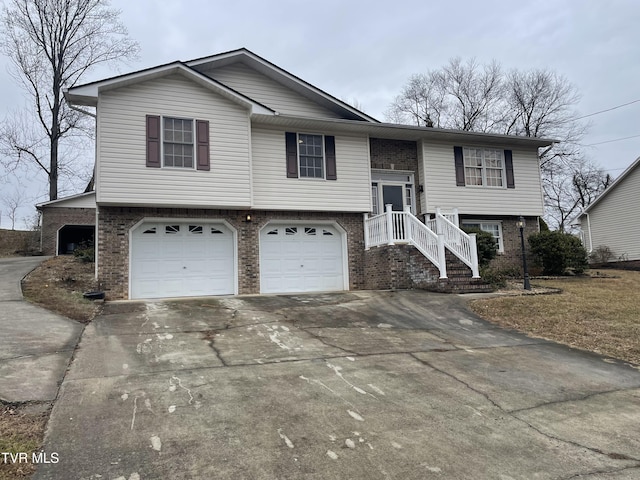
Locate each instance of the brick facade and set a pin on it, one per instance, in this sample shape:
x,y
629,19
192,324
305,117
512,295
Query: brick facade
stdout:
x,y
116,222
393,267
54,218
394,154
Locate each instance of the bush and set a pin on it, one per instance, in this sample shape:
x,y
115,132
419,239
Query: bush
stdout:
x,y
558,252
602,254
497,277
487,247
85,252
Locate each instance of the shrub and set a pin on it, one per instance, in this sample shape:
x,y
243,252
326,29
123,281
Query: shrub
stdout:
x,y
497,277
85,252
602,254
558,252
487,247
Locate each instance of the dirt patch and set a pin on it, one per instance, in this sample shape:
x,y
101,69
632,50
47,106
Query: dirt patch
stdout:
x,y
58,284
21,431
598,313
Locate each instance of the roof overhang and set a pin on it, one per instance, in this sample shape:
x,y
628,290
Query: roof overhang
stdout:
x,y
400,132
60,201
88,94
285,78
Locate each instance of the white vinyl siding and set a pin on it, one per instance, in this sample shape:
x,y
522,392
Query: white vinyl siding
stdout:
x,y
351,192
123,175
263,89
441,190
614,220
79,201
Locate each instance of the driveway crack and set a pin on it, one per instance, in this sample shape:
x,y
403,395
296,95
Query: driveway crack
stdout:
x,y
612,455
600,472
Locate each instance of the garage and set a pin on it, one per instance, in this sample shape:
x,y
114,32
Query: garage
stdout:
x,y
301,258
182,259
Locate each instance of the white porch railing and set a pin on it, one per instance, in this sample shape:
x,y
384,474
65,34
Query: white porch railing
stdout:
x,y
430,238
390,228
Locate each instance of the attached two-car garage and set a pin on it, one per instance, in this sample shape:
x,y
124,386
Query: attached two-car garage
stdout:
x,y
197,258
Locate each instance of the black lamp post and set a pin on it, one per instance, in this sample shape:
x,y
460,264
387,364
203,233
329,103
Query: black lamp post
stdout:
x,y
521,223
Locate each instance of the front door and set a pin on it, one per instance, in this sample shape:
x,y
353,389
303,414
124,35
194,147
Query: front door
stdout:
x,y
394,195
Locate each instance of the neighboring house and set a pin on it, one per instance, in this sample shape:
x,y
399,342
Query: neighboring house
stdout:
x,y
228,175
610,221
67,223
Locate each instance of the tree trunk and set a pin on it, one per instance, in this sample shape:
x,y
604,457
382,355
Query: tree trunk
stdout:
x,y
53,170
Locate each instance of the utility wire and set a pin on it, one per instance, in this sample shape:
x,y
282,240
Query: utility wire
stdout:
x,y
614,140
608,109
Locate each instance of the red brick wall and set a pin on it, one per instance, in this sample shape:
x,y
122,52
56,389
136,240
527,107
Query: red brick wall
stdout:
x,y
53,218
403,154
115,223
392,267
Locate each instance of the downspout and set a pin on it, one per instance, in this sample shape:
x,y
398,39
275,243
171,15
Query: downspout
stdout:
x,y
589,230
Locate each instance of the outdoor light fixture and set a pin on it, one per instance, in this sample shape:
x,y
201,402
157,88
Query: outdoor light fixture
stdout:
x,y
247,218
521,223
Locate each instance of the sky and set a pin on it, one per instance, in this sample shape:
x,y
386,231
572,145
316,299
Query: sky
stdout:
x,y
365,51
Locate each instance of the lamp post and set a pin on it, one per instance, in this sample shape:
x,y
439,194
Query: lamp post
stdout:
x,y
521,224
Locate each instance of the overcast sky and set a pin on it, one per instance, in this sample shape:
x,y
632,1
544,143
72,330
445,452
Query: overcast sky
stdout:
x,y
366,50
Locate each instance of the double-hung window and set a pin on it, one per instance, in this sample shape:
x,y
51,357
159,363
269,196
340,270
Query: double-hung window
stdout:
x,y
177,142
484,167
494,228
311,155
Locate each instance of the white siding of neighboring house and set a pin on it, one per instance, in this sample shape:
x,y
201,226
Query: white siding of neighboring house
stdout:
x,y
264,90
79,201
351,192
614,220
441,190
122,175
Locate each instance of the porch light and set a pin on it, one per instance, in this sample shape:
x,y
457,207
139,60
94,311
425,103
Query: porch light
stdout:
x,y
521,223
247,218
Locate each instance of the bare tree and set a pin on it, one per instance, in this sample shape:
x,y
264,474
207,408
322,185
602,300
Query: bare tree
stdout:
x,y
52,44
13,201
533,103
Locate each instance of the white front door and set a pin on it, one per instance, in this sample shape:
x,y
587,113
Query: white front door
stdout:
x,y
301,258
181,259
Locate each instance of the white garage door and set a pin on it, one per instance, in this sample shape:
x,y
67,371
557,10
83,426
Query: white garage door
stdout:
x,y
181,259
300,258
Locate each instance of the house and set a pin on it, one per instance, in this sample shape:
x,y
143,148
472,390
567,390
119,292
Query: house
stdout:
x,y
67,223
610,220
229,175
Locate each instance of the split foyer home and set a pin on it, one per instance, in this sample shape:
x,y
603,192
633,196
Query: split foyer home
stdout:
x,y
229,175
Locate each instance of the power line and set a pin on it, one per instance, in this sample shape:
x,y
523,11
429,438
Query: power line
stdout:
x,y
614,140
608,109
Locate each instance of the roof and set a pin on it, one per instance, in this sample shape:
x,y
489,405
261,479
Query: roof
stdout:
x,y
284,77
401,132
613,186
87,94
55,203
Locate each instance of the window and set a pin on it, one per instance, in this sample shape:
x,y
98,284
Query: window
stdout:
x,y
483,167
177,142
494,228
311,155
374,198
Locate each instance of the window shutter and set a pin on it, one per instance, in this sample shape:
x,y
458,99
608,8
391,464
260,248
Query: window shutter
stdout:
x,y
508,165
153,141
292,154
202,143
459,163
330,157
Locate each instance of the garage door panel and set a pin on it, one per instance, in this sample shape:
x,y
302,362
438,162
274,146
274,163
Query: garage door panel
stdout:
x,y
182,259
300,258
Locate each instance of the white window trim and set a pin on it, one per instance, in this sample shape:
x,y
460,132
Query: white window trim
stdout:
x,y
483,168
324,157
472,222
195,147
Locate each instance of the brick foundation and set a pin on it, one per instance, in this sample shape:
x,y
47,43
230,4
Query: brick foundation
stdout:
x,y
54,218
115,223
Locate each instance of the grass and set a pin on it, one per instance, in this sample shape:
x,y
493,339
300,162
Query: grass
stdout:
x,y
58,284
597,313
20,431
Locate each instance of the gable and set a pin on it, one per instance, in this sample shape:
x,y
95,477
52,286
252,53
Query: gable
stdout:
x,y
267,91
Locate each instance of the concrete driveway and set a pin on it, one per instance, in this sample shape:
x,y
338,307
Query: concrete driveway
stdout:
x,y
35,344
361,385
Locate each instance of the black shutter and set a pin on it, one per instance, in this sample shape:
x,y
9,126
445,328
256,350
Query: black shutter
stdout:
x,y
153,141
330,157
459,164
202,144
292,154
508,165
